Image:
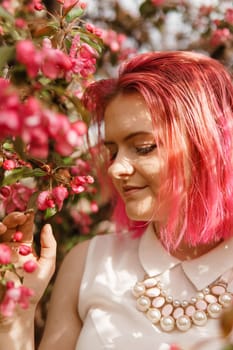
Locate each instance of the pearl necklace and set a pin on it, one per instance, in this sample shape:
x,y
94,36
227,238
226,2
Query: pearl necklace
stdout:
x,y
170,313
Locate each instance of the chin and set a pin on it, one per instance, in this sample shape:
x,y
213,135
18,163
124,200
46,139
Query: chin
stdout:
x,y
139,216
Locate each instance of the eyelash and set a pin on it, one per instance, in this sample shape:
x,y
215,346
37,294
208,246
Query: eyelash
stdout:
x,y
145,149
140,150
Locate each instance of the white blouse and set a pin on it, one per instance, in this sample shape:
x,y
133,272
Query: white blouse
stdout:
x,y
107,306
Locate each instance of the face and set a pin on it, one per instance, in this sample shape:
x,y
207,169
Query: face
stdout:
x,y
135,163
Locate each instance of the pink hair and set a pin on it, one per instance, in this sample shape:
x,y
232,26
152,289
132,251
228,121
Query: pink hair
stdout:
x,y
190,96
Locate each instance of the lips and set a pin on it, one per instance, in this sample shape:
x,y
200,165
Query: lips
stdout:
x,y
130,189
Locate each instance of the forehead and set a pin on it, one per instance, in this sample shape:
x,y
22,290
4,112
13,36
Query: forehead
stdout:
x,y
125,113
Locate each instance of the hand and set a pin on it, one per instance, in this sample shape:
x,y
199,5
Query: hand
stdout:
x,y
24,222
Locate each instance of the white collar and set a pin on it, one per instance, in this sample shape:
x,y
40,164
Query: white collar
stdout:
x,y
201,271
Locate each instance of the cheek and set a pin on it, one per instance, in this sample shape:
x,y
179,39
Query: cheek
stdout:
x,y
152,171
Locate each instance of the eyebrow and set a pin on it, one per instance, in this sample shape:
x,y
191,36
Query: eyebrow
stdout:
x,y
128,137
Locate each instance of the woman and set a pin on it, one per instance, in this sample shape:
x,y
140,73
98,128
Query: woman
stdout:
x,y
168,122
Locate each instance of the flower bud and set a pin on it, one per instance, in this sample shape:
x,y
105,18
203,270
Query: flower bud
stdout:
x,y
5,254
24,249
30,266
17,236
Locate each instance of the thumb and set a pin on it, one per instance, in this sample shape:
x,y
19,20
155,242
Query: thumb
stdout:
x,y
48,243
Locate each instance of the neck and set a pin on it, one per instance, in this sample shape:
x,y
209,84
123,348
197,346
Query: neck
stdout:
x,y
186,252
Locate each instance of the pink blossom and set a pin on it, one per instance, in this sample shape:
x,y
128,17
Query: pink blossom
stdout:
x,y
68,3
37,142
82,219
94,207
60,193
24,249
9,123
64,133
113,40
25,294
174,347
83,5
79,183
157,2
229,16
83,58
80,127
20,23
95,30
13,296
30,266
45,200
54,62
219,36
29,56
205,10
5,192
53,198
18,198
81,167
17,236
9,164
38,5
5,254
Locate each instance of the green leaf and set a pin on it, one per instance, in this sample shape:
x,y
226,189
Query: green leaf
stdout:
x,y
19,147
20,173
6,54
92,40
74,13
6,15
86,116
7,146
46,30
32,203
50,212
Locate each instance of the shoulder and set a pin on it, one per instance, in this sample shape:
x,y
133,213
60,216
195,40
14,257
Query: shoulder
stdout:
x,y
73,264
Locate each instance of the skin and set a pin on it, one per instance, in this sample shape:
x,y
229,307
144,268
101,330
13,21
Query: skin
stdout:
x,y
135,163
135,168
61,332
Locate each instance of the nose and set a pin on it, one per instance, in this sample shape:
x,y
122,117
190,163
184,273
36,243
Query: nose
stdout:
x,y
121,168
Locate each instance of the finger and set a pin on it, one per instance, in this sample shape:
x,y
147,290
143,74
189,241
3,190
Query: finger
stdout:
x,y
3,228
27,227
48,243
14,219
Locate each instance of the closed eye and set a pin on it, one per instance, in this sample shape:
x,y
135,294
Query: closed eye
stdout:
x,y
146,149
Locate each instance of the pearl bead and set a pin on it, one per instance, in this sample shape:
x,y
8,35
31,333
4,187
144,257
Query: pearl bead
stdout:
x,y
176,303
183,323
214,310
143,303
200,295
150,282
225,299
206,290
138,289
153,292
169,299
160,307
160,285
154,315
164,292
184,303
167,323
199,318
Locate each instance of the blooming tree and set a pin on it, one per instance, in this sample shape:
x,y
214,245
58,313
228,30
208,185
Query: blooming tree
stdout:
x,y
46,61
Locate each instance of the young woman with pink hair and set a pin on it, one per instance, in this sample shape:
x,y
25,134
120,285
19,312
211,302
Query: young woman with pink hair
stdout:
x,y
165,275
